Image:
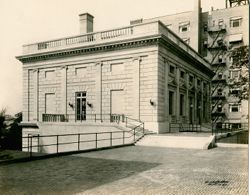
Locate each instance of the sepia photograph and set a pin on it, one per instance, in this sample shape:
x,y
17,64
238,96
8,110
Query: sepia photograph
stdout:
x,y
115,97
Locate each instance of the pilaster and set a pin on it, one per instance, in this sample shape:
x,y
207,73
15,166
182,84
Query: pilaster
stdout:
x,y
98,88
136,87
64,89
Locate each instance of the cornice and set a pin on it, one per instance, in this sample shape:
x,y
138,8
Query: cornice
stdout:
x,y
153,40
160,40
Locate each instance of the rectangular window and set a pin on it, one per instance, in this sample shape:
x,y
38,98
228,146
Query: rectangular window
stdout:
x,y
182,104
171,102
171,69
117,68
234,74
191,79
234,108
235,22
182,74
81,71
198,82
49,74
221,23
184,27
205,27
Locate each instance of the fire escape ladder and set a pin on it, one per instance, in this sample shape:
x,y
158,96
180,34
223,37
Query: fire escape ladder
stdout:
x,y
216,87
220,100
215,38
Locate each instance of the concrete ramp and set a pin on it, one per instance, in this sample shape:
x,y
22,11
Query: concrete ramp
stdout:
x,y
192,142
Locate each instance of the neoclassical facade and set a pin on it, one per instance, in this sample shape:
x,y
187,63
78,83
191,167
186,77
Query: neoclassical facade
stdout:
x,y
143,71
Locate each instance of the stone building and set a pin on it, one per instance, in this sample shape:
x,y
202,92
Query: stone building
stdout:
x,y
144,71
215,34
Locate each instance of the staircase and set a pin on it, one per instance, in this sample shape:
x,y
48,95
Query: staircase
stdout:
x,y
178,141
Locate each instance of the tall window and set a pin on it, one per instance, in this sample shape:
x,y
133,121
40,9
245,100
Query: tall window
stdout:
x,y
81,105
182,104
235,22
171,102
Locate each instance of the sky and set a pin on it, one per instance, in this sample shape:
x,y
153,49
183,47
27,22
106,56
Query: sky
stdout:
x,y
27,21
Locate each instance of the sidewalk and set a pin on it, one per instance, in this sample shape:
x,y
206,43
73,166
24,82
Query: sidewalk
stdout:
x,y
132,170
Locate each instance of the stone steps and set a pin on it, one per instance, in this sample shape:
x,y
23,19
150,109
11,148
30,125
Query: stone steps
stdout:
x,y
191,142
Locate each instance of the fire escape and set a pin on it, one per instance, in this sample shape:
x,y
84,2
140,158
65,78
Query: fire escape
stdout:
x,y
217,48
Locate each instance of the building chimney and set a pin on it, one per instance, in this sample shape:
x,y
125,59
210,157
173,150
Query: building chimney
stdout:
x,y
86,22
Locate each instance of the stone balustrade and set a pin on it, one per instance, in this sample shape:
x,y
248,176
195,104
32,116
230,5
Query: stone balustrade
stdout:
x,y
119,34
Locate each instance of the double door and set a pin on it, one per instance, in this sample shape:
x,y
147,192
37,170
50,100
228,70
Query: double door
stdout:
x,y
81,106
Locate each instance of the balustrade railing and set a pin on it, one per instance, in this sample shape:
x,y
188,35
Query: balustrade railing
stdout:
x,y
55,118
143,29
219,127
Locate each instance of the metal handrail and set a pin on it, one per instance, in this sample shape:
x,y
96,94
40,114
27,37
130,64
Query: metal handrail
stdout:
x,y
134,133
226,128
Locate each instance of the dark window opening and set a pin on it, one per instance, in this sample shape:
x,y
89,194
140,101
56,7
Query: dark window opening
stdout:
x,y
182,74
181,105
171,101
171,69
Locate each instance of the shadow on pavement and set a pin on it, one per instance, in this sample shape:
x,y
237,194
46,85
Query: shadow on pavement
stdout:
x,y
66,174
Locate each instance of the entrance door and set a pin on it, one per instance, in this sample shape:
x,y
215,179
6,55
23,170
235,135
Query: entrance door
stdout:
x,y
80,105
117,102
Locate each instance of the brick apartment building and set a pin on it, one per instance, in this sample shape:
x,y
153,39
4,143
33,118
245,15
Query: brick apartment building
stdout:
x,y
214,35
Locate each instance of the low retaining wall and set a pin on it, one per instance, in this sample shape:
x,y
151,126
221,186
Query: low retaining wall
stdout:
x,y
57,137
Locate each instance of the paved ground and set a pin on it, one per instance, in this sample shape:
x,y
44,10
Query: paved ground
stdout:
x,y
132,170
